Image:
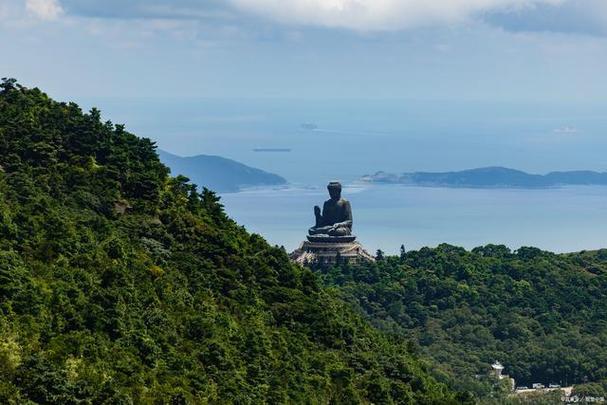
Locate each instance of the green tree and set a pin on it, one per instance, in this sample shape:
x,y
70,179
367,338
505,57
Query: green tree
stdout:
x,y
120,284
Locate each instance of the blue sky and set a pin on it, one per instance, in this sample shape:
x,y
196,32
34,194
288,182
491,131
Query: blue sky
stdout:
x,y
549,50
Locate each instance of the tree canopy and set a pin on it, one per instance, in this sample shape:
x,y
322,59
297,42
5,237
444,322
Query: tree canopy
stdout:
x,y
542,315
121,284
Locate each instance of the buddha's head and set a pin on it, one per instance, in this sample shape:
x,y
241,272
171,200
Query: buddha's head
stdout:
x,y
334,188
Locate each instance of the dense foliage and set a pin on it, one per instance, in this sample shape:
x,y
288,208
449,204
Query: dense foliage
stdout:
x,y
120,284
543,315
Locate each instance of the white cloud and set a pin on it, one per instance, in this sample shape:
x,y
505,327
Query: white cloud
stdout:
x,y
44,9
379,14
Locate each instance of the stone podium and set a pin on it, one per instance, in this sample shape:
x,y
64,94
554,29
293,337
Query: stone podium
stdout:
x,y
330,240
330,253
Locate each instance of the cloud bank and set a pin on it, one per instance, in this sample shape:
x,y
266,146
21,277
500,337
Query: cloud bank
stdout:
x,y
572,16
568,16
381,14
44,9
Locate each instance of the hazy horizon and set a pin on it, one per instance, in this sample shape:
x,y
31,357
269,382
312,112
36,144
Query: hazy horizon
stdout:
x,y
358,137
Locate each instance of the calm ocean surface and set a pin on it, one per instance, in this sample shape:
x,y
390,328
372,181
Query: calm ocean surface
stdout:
x,y
386,216
357,137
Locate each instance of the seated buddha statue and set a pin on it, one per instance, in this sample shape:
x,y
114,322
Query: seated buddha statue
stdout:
x,y
336,217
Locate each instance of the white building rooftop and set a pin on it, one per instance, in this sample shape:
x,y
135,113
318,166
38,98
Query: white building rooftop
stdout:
x,y
497,365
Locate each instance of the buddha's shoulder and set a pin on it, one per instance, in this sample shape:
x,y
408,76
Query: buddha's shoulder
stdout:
x,y
341,201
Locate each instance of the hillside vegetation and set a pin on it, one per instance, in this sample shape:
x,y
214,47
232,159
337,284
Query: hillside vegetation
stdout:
x,y
120,284
543,315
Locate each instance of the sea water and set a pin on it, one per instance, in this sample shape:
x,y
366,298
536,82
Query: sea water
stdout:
x,y
346,139
386,216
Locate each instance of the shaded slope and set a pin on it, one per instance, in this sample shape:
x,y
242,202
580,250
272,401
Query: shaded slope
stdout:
x,y
119,284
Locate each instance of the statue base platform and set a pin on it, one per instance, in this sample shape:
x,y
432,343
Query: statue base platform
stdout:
x,y
330,250
331,239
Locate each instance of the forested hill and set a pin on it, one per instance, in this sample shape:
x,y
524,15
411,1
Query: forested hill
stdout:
x,y
219,174
120,284
542,315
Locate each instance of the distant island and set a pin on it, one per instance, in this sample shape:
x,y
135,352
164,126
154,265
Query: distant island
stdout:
x,y
309,126
272,150
218,173
490,177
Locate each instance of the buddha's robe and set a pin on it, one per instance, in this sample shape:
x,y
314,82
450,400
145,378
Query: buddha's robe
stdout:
x,y
335,220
